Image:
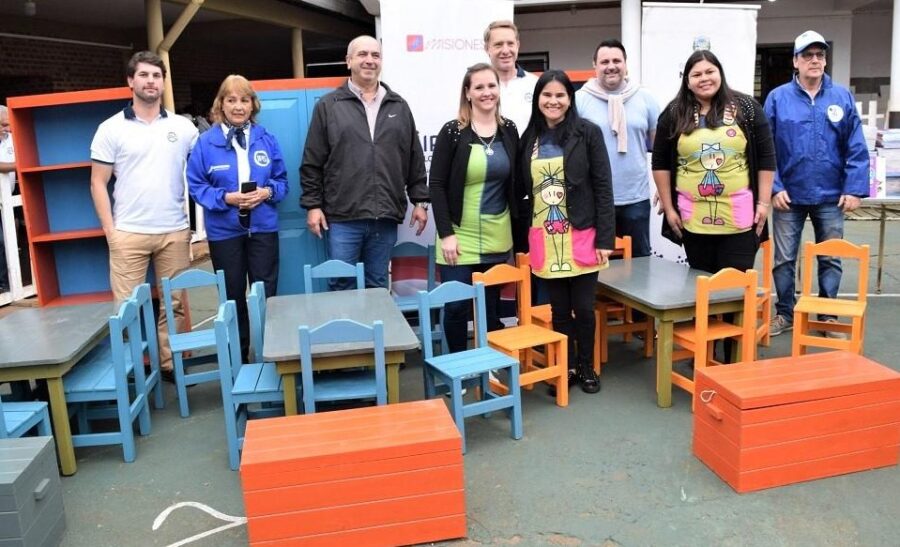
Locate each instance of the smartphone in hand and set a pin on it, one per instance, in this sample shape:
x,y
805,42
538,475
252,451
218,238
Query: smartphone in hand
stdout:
x,y
246,188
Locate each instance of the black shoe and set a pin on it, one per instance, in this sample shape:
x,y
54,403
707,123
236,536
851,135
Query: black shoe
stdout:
x,y
168,376
590,382
573,379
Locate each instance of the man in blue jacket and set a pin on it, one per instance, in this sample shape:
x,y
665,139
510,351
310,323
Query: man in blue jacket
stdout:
x,y
823,170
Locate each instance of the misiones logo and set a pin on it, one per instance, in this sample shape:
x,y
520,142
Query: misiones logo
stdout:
x,y
418,42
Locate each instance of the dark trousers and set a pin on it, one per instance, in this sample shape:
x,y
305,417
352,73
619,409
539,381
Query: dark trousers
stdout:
x,y
458,314
634,220
712,253
253,257
575,295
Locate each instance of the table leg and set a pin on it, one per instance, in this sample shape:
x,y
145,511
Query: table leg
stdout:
x,y
393,383
60,416
664,364
880,249
289,385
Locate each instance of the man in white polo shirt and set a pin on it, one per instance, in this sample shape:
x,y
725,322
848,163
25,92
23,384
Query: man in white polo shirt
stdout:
x,y
7,168
145,147
501,42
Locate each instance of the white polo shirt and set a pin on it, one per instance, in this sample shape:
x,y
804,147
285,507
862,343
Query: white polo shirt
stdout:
x,y
148,161
8,155
515,98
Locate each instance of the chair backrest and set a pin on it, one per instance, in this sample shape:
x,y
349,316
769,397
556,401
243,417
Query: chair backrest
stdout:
x,y
767,264
190,279
501,274
228,346
143,299
730,279
409,249
622,247
125,337
345,331
256,309
331,269
3,431
452,291
838,248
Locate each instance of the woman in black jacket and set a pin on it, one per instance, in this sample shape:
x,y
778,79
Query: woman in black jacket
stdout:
x,y
567,208
471,187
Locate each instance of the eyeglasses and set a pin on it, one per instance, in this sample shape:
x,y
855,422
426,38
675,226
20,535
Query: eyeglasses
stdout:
x,y
808,55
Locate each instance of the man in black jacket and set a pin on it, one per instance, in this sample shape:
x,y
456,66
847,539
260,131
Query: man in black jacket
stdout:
x,y
362,159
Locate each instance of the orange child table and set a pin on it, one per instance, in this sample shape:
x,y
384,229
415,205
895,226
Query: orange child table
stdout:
x,y
384,475
782,421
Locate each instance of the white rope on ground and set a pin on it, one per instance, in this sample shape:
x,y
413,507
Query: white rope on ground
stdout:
x,y
233,521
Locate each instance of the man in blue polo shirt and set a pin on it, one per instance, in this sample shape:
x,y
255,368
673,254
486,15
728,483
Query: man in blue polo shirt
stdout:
x,y
823,170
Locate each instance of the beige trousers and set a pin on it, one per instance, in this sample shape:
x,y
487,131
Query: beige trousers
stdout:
x,y
129,258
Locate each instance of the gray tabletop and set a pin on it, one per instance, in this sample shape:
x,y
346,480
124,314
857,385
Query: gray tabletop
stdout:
x,y
660,284
50,336
284,314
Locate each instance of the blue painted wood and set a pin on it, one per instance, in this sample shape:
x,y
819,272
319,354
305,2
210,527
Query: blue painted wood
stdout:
x,y
82,266
328,270
192,340
256,309
68,200
367,384
242,384
103,375
286,115
454,371
63,133
150,348
17,419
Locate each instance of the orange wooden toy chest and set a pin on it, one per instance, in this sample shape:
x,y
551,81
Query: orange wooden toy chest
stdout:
x,y
385,475
792,419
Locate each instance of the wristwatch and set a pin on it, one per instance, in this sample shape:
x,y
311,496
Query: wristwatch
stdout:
x,y
422,204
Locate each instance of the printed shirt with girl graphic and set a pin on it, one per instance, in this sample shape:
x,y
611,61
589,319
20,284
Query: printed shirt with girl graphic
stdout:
x,y
713,182
484,234
556,248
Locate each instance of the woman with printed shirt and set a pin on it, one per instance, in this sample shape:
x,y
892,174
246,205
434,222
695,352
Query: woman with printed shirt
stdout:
x,y
713,164
567,207
242,227
471,187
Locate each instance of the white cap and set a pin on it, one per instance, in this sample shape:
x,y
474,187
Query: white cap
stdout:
x,y
807,39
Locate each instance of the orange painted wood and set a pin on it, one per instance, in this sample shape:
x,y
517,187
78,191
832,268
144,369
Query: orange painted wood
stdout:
x,y
67,235
83,298
22,124
781,421
57,167
351,517
70,97
364,489
266,481
288,84
406,533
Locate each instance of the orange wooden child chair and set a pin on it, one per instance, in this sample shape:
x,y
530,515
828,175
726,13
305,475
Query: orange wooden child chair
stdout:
x,y
623,322
697,337
520,341
812,333
764,302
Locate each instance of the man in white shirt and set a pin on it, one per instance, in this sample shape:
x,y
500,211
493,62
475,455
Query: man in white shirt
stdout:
x,y
7,168
145,147
501,42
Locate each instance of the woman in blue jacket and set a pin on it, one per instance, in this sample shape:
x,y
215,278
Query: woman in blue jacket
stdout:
x,y
242,227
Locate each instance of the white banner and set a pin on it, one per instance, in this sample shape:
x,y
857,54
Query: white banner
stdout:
x,y
426,48
670,33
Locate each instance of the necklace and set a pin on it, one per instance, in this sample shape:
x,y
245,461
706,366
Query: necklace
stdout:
x,y
488,151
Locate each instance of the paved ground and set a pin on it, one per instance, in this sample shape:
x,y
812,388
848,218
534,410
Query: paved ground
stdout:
x,y
611,469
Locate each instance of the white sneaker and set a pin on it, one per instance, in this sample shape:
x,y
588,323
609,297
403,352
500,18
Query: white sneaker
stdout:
x,y
779,324
834,334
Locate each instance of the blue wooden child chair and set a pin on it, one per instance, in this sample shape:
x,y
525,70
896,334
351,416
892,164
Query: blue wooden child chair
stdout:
x,y
451,372
331,269
153,379
409,303
242,384
342,385
17,419
256,309
102,376
194,340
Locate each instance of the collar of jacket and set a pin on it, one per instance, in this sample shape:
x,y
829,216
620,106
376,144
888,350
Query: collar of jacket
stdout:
x,y
217,137
826,84
343,93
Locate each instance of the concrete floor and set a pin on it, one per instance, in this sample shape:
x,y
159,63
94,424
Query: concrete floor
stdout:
x,y
611,469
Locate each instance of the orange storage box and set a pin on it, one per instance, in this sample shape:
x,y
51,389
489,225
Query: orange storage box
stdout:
x,y
384,475
781,421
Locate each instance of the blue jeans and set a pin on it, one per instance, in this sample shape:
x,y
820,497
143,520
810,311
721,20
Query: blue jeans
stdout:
x,y
366,241
634,220
828,223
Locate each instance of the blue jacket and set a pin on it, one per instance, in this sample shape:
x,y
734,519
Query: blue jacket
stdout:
x,y
819,144
212,172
